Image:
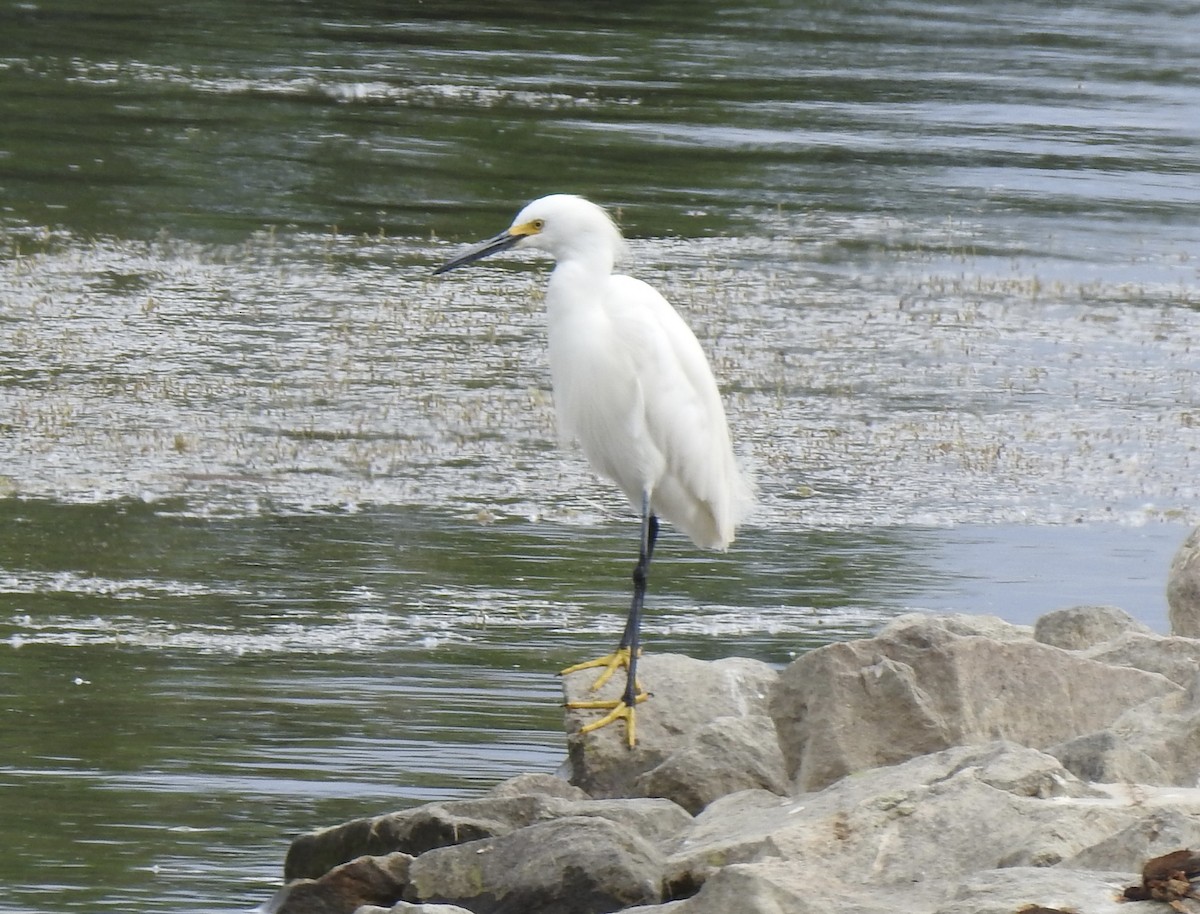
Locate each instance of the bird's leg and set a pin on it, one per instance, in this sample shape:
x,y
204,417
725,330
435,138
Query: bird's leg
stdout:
x,y
621,656
631,639
627,652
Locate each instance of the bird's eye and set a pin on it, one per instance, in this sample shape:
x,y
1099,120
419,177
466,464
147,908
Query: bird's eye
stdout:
x,y
539,224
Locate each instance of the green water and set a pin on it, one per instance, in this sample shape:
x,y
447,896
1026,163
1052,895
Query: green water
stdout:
x,y
286,534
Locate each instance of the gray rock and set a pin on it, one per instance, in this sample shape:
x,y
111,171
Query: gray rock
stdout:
x,y
1176,658
882,822
577,865
1157,743
686,695
1080,627
777,887
919,687
929,820
435,825
345,888
773,889
1008,891
728,755
1183,588
962,624
404,907
922,836
1106,758
1162,830
654,819
543,785
413,831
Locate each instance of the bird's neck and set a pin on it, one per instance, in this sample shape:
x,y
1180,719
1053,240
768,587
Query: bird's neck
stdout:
x,y
580,278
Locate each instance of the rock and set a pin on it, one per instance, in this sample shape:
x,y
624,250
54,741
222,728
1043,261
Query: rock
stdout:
x,y
1080,627
776,887
655,819
1106,758
412,831
1176,658
728,755
1008,891
919,686
404,907
577,865
1163,830
1157,743
883,826
772,889
1183,588
345,888
435,825
542,785
686,696
911,836
957,624
902,797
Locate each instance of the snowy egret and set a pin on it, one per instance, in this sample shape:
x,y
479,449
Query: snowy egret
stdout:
x,y
633,386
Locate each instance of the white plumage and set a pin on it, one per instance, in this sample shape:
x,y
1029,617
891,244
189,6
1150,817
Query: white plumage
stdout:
x,y
632,385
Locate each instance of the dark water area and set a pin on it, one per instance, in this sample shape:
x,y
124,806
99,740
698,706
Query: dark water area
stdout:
x,y
208,120
286,533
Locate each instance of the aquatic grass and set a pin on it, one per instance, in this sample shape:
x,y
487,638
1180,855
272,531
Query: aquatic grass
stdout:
x,y
314,370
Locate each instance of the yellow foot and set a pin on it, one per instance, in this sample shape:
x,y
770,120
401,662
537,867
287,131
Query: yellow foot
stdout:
x,y
611,663
618,711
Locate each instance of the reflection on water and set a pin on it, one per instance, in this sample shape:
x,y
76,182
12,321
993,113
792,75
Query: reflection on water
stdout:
x,y
174,687
181,696
285,533
215,116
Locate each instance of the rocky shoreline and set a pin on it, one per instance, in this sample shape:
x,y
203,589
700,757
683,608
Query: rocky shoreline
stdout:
x,y
948,765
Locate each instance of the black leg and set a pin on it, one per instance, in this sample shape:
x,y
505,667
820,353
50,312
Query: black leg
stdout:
x,y
627,653
632,637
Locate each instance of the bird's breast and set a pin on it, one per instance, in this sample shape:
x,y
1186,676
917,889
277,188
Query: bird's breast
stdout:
x,y
599,399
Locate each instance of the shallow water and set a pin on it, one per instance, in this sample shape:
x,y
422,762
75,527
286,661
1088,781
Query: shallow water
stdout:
x,y
286,535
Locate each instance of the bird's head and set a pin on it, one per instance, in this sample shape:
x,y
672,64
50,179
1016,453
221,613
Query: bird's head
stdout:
x,y
563,225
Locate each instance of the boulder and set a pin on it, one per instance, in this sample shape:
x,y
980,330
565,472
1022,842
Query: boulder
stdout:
x,y
1176,658
541,785
1157,743
686,696
345,888
434,825
1183,588
728,755
1106,758
413,831
1016,889
505,809
962,624
949,764
405,907
1161,831
915,836
1080,627
576,865
925,683
928,820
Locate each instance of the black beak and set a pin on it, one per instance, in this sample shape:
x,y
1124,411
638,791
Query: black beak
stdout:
x,y
501,242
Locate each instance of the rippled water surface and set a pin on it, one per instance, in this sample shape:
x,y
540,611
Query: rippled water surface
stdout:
x,y
286,533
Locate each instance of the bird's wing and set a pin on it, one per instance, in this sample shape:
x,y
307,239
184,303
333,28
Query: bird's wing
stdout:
x,y
701,490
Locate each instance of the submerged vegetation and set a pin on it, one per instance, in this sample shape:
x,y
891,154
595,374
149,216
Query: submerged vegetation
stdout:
x,y
326,371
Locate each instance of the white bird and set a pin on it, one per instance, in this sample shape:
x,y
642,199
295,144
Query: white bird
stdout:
x,y
633,386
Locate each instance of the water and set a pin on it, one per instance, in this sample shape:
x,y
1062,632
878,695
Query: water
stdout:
x,y
286,536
